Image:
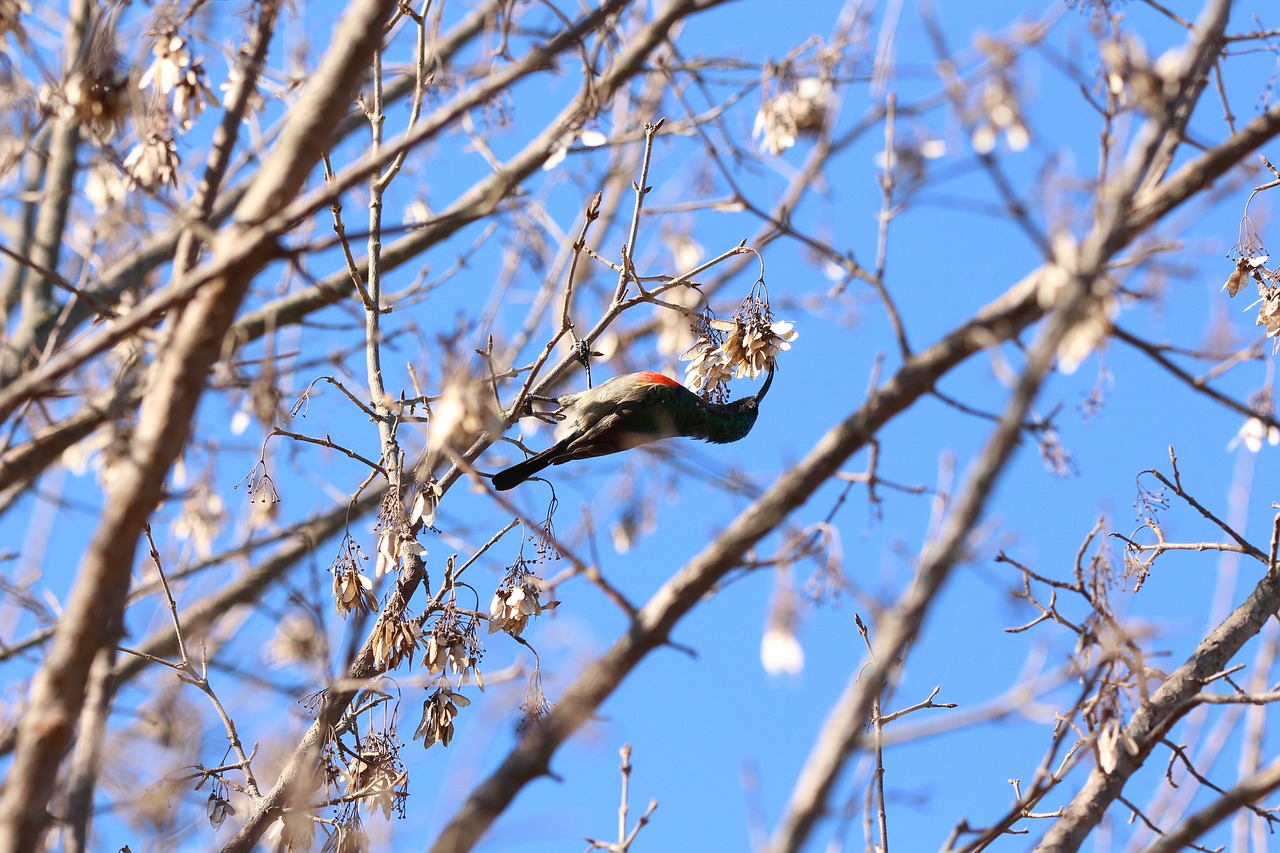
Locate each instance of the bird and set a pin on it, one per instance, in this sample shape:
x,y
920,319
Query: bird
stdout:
x,y
634,409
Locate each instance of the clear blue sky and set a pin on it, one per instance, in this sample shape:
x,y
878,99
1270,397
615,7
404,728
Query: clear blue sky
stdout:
x,y
702,725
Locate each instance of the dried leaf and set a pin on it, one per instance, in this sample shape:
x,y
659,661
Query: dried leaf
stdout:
x,y
1237,278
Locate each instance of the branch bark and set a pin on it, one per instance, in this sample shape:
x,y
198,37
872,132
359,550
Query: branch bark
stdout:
x,y
94,610
652,626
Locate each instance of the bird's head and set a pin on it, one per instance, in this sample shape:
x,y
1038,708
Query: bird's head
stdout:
x,y
738,417
752,403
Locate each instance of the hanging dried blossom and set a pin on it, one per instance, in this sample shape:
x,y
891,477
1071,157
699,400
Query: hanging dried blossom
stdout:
x,y
453,648
236,77
998,111
394,546
201,519
153,162
171,59
780,649
191,94
535,706
465,410
438,713
516,601
377,776
1269,309
745,346
104,187
708,371
395,639
1131,78
792,107
347,837
424,505
1251,259
218,806
398,547
352,589
1253,433
753,343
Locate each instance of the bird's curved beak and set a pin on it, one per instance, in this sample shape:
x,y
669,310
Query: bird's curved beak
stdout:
x,y
764,389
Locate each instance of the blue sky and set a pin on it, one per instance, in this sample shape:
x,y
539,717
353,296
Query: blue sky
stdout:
x,y
716,740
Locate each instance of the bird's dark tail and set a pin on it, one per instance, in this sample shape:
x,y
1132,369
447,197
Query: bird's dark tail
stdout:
x,y
511,477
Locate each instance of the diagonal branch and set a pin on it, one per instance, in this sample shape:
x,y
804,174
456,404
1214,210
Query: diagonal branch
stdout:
x,y
1250,790
652,626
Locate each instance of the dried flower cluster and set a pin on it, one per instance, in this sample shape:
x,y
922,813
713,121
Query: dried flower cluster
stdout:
x,y
544,538
909,158
780,649
997,108
398,548
438,712
191,95
347,837
295,830
352,589
453,648
589,138
753,344
1098,310
395,639
792,107
1269,310
1109,657
201,518
424,505
218,808
516,601
154,161
394,546
745,346
466,409
708,371
1253,433
103,453
174,70
171,59
104,187
1260,428
535,705
998,112
1251,262
236,77
1132,79
377,776
1110,651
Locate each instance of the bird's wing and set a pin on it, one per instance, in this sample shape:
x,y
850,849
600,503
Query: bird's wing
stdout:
x,y
644,414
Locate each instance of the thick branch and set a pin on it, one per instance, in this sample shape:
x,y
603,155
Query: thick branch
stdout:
x,y
94,610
